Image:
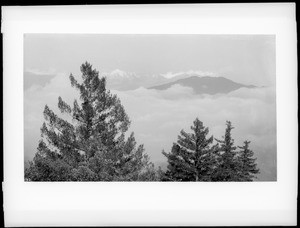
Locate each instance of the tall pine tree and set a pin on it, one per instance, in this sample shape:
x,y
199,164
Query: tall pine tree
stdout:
x,y
190,158
227,164
93,146
248,167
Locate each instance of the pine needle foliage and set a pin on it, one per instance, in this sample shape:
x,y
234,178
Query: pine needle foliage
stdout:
x,y
195,158
93,146
190,158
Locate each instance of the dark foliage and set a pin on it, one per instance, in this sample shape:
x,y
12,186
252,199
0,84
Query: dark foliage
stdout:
x,y
194,158
91,147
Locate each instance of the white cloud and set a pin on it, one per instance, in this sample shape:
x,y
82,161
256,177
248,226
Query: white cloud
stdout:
x,y
119,74
36,71
174,92
35,99
171,74
158,116
189,73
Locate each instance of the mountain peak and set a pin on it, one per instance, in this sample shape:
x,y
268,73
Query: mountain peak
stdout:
x,y
205,84
117,73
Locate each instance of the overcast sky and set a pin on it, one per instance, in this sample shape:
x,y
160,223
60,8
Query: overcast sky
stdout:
x,y
158,116
248,59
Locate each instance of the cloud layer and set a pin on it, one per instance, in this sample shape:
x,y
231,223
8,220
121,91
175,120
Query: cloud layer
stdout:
x,y
158,116
189,73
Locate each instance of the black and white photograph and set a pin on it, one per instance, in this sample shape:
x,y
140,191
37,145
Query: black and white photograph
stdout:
x,y
149,107
150,115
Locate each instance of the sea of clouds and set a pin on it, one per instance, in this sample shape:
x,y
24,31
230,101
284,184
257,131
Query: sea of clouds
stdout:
x,y
158,116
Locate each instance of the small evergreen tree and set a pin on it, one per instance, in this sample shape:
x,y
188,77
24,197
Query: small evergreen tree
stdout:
x,y
190,158
247,164
227,164
93,146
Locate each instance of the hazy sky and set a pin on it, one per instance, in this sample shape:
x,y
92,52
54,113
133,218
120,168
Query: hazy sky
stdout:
x,y
248,59
158,116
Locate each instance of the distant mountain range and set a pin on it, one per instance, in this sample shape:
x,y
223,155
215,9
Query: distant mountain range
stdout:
x,y
201,84
205,85
122,81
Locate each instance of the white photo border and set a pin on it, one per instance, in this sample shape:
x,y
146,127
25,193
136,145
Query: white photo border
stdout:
x,y
97,204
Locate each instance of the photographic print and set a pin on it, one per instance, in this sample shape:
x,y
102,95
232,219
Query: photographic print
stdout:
x,y
141,115
157,107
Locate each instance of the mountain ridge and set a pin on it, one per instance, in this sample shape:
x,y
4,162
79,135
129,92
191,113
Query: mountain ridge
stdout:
x,y
205,85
